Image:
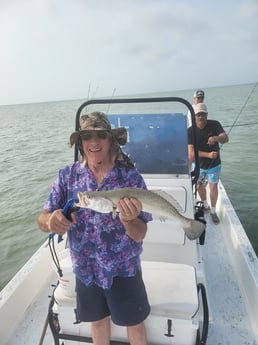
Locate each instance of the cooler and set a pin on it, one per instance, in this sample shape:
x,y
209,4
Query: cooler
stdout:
x,y
172,293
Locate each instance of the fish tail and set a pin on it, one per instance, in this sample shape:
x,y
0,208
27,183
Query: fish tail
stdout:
x,y
193,229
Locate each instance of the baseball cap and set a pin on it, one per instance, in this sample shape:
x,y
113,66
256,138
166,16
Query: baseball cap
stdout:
x,y
199,94
200,108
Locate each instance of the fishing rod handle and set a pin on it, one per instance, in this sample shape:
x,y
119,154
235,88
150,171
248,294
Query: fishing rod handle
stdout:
x,y
67,211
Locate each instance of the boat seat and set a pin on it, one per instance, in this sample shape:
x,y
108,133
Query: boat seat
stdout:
x,y
169,231
172,294
171,289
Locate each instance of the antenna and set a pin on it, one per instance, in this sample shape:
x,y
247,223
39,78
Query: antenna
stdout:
x,y
113,93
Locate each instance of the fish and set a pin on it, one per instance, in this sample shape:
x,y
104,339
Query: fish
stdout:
x,y
156,202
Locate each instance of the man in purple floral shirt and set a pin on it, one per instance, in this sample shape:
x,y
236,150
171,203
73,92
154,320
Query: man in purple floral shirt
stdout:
x,y
105,251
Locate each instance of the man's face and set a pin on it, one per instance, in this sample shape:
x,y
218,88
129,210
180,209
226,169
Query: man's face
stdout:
x,y
201,119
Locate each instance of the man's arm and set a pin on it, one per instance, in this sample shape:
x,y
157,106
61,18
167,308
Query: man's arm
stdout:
x,y
190,156
135,228
211,155
222,136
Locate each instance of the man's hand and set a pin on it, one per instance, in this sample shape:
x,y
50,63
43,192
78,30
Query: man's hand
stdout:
x,y
129,208
213,154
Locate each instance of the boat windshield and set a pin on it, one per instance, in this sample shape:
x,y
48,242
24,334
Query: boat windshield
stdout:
x,y
157,143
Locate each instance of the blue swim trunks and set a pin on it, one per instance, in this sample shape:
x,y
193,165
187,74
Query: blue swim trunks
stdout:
x,y
213,174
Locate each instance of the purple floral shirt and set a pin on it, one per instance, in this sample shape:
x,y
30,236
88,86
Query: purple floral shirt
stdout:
x,y
99,246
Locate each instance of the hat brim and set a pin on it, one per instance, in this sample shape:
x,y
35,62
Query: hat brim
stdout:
x,y
201,112
119,134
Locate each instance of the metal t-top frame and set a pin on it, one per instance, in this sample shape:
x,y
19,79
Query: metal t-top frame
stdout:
x,y
195,172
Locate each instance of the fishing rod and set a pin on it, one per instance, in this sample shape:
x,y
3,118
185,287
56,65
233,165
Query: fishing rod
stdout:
x,y
89,90
113,93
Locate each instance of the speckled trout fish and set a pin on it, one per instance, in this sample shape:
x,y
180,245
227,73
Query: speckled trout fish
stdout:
x,y
156,202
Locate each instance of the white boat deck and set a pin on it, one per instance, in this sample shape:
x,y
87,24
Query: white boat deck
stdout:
x,y
229,320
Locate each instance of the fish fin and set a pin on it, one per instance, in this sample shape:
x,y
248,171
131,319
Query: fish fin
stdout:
x,y
194,229
165,195
114,212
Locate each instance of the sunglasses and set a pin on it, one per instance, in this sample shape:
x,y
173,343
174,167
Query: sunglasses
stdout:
x,y
100,134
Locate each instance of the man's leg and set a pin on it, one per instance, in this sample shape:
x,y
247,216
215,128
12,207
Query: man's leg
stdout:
x,y
202,191
213,194
100,331
214,198
137,334
201,188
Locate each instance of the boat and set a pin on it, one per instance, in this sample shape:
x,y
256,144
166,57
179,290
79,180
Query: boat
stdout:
x,y
201,291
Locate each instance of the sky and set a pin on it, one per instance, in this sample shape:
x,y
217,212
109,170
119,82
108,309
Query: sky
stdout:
x,y
55,50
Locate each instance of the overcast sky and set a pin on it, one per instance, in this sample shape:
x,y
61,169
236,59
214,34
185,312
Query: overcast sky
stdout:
x,y
61,49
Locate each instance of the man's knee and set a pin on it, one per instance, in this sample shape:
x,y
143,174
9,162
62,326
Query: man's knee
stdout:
x,y
101,323
213,187
200,186
137,334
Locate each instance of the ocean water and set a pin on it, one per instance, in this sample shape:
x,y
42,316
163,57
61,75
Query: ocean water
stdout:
x,y
33,145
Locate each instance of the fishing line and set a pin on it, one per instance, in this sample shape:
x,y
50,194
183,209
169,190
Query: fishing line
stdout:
x,y
243,124
241,110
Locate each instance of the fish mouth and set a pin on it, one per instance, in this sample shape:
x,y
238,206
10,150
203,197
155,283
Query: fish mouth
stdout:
x,y
83,200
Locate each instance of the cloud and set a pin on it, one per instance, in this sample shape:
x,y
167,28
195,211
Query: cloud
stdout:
x,y
53,50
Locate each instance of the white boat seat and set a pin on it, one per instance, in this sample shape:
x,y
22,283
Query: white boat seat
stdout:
x,y
171,289
169,231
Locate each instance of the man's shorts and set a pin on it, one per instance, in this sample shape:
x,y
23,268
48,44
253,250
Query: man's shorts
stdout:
x,y
126,301
213,174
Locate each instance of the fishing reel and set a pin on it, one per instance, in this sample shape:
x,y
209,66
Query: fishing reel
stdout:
x,y
199,215
204,181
